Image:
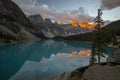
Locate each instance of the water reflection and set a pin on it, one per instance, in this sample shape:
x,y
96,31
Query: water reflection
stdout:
x,y
49,68
43,58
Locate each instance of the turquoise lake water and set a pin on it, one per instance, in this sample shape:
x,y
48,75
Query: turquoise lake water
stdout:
x,y
41,60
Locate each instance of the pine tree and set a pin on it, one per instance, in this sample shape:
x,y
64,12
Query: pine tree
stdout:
x,y
97,46
92,56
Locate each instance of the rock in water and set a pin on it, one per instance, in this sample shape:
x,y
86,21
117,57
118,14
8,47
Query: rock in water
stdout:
x,y
115,58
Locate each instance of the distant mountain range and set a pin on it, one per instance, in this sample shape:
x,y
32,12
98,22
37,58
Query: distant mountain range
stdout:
x,y
15,26
74,29
108,32
51,30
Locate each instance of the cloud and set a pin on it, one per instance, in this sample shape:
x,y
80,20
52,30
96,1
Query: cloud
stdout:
x,y
109,4
31,7
79,15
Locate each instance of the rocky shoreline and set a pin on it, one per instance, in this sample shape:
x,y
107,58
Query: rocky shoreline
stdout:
x,y
109,70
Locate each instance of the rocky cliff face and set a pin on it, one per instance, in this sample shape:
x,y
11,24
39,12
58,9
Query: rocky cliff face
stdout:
x,y
38,22
10,11
54,28
49,29
13,19
96,71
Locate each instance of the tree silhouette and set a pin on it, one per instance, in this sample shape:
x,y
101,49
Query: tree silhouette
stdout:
x,y
98,43
92,56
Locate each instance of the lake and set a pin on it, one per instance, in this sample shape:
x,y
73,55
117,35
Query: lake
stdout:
x,y
42,60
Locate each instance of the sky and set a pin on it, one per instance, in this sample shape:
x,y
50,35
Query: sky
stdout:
x,y
71,10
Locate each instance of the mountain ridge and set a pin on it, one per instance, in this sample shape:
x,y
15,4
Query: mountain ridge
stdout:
x,y
109,31
13,21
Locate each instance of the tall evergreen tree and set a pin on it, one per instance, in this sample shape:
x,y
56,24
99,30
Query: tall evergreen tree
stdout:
x,y
97,46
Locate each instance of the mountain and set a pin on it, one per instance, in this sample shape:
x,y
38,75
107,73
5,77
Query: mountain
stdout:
x,y
38,22
14,25
52,30
45,27
113,28
108,32
54,27
74,29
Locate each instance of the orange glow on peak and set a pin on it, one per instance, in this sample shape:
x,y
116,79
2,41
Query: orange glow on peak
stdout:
x,y
87,25
74,23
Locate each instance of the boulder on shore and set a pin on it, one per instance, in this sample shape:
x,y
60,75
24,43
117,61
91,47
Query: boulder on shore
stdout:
x,y
115,58
97,71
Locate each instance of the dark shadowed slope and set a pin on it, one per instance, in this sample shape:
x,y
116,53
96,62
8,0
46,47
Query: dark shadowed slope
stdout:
x,y
13,19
